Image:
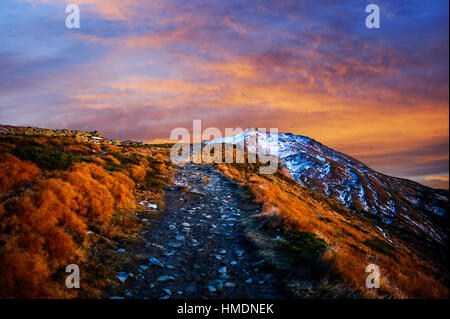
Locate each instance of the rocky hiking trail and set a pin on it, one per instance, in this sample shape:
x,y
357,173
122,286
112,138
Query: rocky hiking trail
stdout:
x,y
197,248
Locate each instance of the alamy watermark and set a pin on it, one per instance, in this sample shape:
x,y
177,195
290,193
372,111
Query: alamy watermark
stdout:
x,y
207,146
373,19
73,19
373,278
73,280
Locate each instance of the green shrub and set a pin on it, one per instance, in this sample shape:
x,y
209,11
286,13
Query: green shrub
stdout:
x,y
113,167
133,159
305,246
381,246
155,181
44,157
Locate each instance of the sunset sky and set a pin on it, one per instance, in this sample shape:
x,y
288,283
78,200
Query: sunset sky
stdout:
x,y
138,69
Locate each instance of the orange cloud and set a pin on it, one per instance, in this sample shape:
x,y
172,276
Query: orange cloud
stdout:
x,y
437,178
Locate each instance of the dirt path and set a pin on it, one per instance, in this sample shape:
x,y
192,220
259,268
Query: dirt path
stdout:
x,y
197,248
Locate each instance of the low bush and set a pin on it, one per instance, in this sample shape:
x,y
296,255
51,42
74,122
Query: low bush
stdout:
x,y
381,246
44,157
305,246
14,172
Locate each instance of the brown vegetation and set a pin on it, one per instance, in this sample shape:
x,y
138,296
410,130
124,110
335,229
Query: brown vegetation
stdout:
x,y
14,172
54,216
354,242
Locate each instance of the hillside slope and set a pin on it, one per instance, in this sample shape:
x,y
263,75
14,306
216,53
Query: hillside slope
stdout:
x,y
408,210
298,218
71,197
76,197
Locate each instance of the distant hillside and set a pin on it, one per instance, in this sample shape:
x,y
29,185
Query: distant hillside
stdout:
x,y
301,218
398,207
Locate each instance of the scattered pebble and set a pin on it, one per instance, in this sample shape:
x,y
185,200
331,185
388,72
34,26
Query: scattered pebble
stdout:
x,y
155,262
212,288
223,270
239,253
122,276
191,289
165,278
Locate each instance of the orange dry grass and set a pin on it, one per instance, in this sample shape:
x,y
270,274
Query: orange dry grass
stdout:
x,y
98,161
77,149
112,159
100,192
46,228
138,172
39,240
111,148
302,210
15,172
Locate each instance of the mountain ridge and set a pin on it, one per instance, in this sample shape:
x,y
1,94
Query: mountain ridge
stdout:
x,y
409,210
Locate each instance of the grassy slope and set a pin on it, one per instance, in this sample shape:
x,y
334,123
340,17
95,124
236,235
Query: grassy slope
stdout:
x,y
353,241
66,200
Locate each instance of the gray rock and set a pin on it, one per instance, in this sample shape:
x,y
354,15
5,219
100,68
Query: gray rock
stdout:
x,y
258,262
155,262
170,253
122,276
143,267
212,288
191,289
267,276
165,278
